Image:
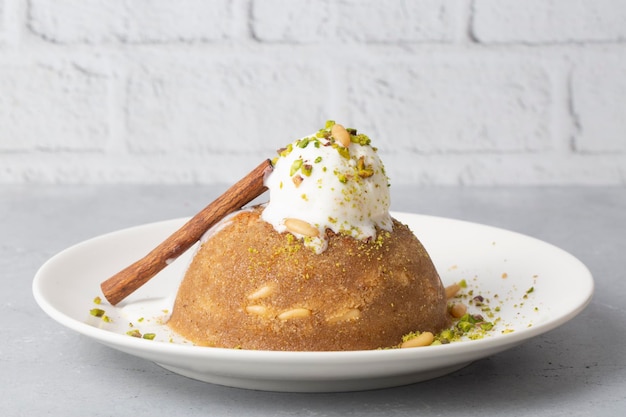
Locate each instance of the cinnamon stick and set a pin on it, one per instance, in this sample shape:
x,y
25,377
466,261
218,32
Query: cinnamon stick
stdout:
x,y
125,282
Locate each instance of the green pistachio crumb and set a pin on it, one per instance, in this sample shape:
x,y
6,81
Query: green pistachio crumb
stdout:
x,y
303,143
96,312
295,166
149,336
285,151
361,139
134,333
97,300
344,152
306,169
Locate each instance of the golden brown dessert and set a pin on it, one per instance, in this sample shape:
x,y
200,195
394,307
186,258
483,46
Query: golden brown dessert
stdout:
x,y
250,287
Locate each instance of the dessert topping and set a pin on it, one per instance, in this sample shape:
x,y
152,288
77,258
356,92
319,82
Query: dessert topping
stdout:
x,y
333,179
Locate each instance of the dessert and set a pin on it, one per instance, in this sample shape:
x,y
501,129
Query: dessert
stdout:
x,y
322,266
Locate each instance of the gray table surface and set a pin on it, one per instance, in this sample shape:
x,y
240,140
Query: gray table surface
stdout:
x,y
577,369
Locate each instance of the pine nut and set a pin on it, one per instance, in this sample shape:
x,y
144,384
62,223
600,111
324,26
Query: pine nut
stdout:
x,y
351,314
262,292
452,290
458,310
341,135
294,313
301,227
424,339
258,310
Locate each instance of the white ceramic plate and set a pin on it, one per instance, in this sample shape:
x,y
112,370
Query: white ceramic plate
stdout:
x,y
500,265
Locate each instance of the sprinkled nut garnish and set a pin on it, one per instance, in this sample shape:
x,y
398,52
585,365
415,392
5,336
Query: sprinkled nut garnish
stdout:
x,y
458,310
294,313
285,151
342,178
341,135
302,143
295,166
307,169
343,151
97,312
134,333
297,180
149,336
363,170
301,227
97,300
452,290
418,340
361,139
469,322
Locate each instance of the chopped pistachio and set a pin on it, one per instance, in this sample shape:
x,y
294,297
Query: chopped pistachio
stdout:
x,y
364,171
361,139
486,325
464,326
345,152
97,300
134,333
96,312
295,166
149,336
303,143
307,169
285,151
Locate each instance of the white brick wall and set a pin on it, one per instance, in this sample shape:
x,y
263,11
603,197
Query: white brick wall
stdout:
x,y
475,92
